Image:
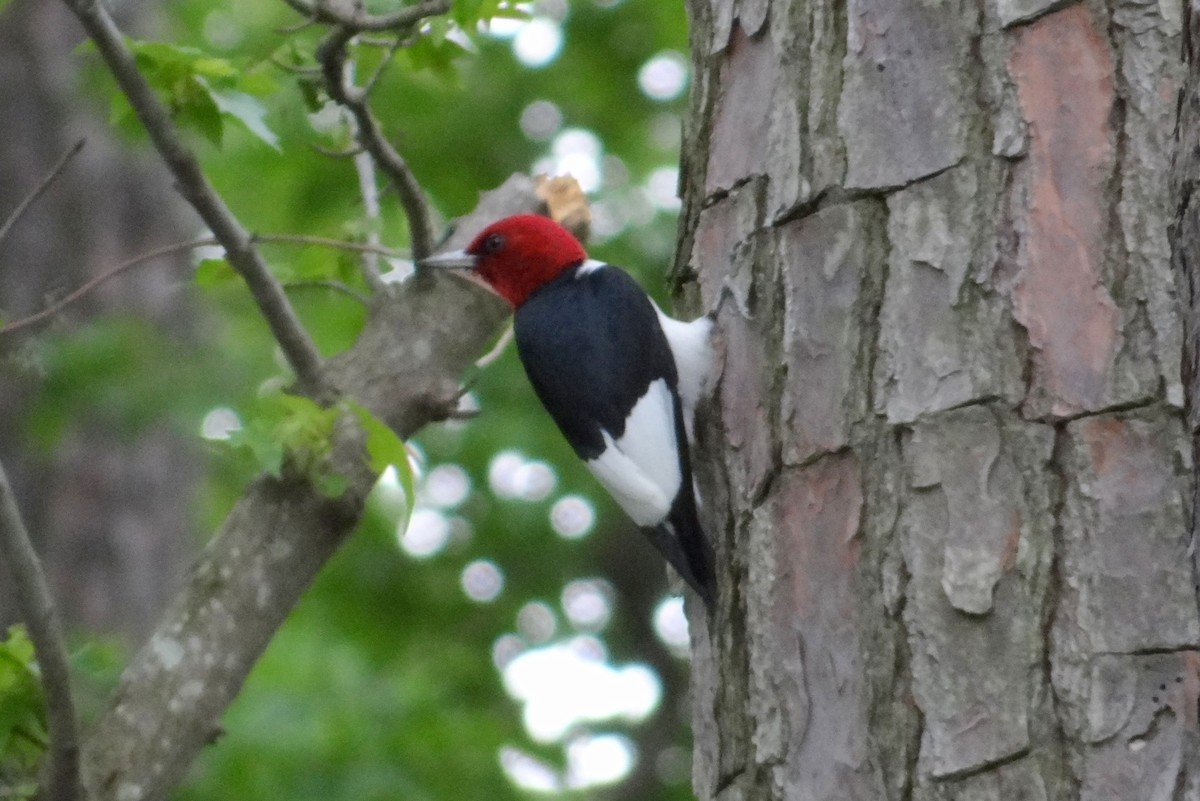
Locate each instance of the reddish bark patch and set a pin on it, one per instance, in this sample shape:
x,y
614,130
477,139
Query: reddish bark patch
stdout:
x,y
817,664
744,404
1064,78
1127,567
817,519
741,118
1131,474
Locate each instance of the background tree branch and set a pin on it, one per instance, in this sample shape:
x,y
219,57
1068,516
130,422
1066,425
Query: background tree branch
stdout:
x,y
29,200
61,779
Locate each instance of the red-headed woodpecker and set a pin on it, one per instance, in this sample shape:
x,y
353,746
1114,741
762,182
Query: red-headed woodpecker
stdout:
x,y
619,377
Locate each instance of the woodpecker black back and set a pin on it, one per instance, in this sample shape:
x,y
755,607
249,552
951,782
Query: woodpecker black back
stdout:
x,y
596,354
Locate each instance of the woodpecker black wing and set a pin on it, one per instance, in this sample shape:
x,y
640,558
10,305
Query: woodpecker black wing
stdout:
x,y
596,355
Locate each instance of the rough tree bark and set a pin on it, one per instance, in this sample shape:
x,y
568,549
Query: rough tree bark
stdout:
x,y
946,465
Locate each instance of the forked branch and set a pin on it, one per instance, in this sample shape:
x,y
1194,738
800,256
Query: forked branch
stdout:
x,y
239,246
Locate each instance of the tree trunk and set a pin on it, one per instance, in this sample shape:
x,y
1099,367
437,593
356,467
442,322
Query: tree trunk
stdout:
x,y
946,465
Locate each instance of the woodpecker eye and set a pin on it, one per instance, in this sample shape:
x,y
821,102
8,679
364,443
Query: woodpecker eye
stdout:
x,y
492,243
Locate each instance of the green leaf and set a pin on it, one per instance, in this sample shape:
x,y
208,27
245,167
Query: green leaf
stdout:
x,y
290,427
247,111
22,710
331,485
201,90
214,272
386,449
194,107
209,67
257,436
438,57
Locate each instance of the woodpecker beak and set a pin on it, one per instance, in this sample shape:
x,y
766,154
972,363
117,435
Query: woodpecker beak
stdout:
x,y
450,260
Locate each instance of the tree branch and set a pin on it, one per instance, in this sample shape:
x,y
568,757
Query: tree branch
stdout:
x,y
45,632
331,54
297,346
358,21
172,694
50,178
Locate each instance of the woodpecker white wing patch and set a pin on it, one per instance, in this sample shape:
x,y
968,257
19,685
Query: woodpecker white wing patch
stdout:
x,y
589,266
691,345
641,469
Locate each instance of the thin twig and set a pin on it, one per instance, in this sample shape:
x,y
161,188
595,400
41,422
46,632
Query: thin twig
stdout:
x,y
384,63
336,244
295,69
348,153
183,247
364,168
297,27
331,54
361,21
50,178
293,340
57,306
333,286
45,632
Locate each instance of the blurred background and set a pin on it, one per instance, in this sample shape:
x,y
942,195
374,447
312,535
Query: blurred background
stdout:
x,y
518,638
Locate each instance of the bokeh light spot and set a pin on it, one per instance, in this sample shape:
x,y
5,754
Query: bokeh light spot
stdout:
x,y
572,517
505,27
598,759
671,624
664,76
560,688
662,187
446,486
482,581
511,476
536,621
540,120
578,152
427,533
220,423
537,42
527,772
505,649
586,603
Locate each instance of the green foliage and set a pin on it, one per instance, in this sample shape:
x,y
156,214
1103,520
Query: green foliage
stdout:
x,y
202,92
291,430
22,716
120,373
381,684
389,507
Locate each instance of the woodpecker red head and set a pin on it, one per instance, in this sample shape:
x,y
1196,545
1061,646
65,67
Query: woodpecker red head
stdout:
x,y
517,255
619,377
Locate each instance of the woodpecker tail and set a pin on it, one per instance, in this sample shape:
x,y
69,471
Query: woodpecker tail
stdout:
x,y
681,541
